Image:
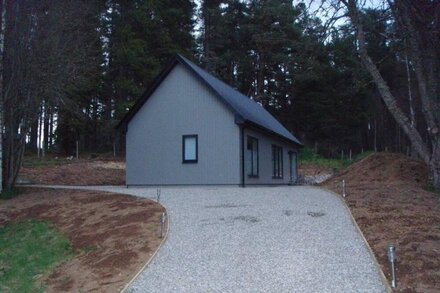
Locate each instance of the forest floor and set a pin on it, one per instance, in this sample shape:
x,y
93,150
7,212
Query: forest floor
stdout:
x,y
112,235
62,171
388,198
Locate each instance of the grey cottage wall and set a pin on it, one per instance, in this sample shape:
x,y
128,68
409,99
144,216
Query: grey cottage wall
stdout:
x,y
265,168
182,105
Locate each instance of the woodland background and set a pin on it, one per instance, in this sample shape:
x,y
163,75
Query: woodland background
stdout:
x,y
72,68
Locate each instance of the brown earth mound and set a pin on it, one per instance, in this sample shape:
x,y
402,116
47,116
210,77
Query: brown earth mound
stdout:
x,y
386,195
112,235
77,172
385,168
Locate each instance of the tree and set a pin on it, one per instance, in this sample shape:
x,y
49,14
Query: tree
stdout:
x,y
46,59
419,25
142,37
133,41
211,39
330,90
276,53
2,45
274,33
139,38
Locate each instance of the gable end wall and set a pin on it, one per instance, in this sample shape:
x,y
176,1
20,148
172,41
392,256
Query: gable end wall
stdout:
x,y
182,105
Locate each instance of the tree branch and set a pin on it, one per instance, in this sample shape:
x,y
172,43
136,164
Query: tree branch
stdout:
x,y
390,101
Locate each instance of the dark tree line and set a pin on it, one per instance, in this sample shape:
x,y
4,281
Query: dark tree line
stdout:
x,y
305,73
417,23
70,69
46,61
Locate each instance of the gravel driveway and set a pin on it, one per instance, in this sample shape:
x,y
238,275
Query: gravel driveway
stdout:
x,y
262,239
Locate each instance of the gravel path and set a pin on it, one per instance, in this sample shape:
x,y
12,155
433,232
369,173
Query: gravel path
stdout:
x,y
262,239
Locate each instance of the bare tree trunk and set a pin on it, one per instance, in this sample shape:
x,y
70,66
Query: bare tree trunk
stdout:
x,y
426,94
2,46
431,159
51,122
40,127
33,141
45,128
410,102
17,106
260,96
38,37
15,140
410,98
375,136
383,88
434,166
424,50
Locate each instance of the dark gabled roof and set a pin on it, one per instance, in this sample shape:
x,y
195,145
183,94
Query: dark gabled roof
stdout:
x,y
246,111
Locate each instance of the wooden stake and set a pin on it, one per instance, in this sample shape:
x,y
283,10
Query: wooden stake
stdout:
x,y
162,224
343,188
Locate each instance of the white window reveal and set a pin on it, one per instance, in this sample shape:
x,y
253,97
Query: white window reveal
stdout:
x,y
190,148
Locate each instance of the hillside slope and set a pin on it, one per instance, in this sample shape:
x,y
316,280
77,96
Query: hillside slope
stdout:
x,y
74,172
386,195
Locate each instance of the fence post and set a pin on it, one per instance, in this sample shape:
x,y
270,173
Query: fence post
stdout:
x,y
77,149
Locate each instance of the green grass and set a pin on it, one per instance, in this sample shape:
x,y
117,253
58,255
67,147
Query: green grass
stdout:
x,y
34,161
31,160
28,251
308,157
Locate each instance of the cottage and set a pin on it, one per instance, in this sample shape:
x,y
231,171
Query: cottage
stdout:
x,y
190,128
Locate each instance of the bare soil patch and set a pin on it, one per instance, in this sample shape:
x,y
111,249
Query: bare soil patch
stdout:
x,y
310,170
311,174
386,195
113,235
76,172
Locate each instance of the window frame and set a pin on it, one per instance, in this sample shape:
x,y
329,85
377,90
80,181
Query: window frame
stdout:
x,y
251,174
184,137
277,159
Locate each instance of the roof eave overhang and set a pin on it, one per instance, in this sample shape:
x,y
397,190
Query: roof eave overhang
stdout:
x,y
253,125
239,120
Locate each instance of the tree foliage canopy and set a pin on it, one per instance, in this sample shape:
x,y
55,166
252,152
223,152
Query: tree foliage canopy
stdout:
x,y
71,69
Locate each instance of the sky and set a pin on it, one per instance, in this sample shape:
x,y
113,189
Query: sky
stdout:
x,y
317,7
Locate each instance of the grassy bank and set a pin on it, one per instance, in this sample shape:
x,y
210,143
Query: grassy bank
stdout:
x,y
32,161
29,251
308,157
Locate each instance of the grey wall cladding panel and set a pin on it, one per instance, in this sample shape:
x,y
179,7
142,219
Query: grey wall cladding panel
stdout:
x,y
265,143
181,105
